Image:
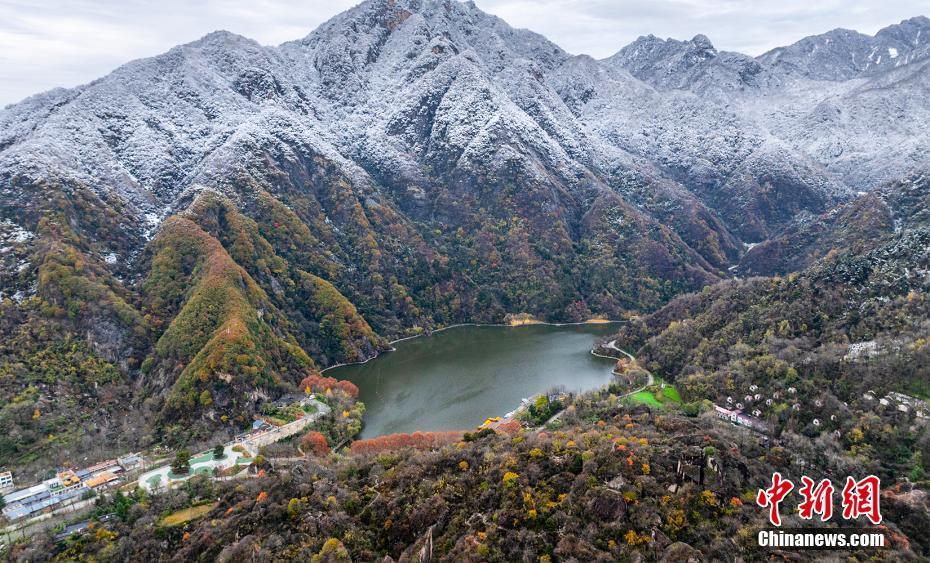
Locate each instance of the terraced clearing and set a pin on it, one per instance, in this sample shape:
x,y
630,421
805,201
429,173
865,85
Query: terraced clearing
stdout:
x,y
187,514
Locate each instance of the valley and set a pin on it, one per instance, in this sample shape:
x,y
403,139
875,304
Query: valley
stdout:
x,y
200,240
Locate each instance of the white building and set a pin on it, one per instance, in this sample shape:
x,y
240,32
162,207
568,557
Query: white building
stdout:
x,y
6,480
130,461
738,417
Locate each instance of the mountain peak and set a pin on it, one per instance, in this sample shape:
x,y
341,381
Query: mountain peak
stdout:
x,y
672,63
913,31
917,21
842,54
701,41
382,41
221,38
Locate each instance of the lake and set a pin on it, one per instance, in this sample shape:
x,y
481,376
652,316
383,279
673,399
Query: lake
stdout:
x,y
456,378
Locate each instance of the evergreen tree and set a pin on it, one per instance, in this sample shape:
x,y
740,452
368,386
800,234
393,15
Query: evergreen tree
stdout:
x,y
182,463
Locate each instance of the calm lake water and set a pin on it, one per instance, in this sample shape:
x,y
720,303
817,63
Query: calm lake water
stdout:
x,y
456,378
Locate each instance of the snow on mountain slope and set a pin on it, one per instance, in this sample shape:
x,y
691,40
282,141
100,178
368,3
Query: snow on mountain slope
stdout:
x,y
414,93
409,164
864,132
693,64
842,54
716,150
840,125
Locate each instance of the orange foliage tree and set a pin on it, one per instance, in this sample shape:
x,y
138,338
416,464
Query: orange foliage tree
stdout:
x,y
419,440
319,383
315,443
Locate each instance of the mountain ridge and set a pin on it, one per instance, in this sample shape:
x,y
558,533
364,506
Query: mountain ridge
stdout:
x,y
407,165
888,44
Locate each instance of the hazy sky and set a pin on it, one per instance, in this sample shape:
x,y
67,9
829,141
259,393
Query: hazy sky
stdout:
x,y
69,42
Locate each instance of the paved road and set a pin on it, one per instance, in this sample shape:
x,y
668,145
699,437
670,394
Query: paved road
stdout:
x,y
255,441
650,380
555,417
203,463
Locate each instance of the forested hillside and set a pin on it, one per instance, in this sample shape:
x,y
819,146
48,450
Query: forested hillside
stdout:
x,y
818,352
614,483
196,232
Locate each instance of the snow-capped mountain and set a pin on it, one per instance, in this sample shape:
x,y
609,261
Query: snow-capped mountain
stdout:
x,y
414,163
693,64
358,87
387,88
843,54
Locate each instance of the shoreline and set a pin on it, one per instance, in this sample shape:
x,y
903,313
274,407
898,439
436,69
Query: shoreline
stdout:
x,y
521,405
596,322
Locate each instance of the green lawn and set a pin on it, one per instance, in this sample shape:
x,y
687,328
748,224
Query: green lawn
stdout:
x,y
646,397
671,393
656,395
205,456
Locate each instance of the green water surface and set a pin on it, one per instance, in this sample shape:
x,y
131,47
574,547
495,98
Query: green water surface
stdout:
x,y
456,378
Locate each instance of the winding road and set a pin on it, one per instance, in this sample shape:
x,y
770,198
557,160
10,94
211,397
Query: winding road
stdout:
x,y
650,380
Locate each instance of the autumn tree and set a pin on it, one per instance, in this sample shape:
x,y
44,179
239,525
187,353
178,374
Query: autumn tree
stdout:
x,y
332,552
314,443
418,440
320,384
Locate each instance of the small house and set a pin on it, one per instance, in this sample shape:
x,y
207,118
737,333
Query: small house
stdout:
x,y
6,480
68,479
130,462
100,480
